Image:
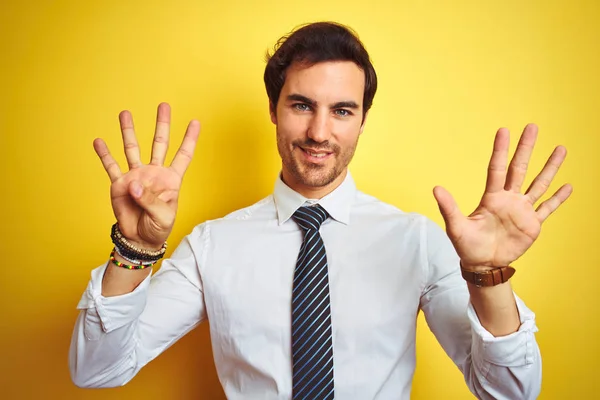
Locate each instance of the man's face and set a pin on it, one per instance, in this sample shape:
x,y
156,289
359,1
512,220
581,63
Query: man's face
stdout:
x,y
319,119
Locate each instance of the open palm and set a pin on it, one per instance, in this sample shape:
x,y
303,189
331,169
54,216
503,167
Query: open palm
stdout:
x,y
506,222
144,199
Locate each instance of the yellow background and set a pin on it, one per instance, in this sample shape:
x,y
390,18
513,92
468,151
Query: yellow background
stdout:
x,y
450,74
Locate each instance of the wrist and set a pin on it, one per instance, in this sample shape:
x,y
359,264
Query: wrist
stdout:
x,y
481,275
144,245
134,239
134,251
475,267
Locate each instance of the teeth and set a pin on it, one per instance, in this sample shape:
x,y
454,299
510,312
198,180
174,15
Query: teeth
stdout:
x,y
317,155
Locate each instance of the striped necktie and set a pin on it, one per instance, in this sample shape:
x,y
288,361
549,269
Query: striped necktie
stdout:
x,y
312,345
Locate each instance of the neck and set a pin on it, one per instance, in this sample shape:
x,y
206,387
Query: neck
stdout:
x,y
313,192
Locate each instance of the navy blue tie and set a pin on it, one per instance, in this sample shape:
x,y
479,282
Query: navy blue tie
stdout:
x,y
312,345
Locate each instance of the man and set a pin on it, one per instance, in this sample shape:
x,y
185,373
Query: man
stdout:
x,y
313,292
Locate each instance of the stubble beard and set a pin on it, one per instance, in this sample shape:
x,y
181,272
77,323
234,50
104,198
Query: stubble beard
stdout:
x,y
310,174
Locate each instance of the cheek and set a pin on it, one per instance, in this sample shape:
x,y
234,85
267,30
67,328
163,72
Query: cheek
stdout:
x,y
346,133
291,128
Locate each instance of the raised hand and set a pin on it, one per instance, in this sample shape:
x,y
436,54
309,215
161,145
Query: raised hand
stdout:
x,y
505,224
144,199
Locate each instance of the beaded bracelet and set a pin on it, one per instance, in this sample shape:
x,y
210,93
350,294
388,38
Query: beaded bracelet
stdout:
x,y
119,239
130,251
133,260
120,264
131,255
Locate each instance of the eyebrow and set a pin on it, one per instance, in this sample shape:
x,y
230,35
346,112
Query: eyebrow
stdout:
x,y
311,102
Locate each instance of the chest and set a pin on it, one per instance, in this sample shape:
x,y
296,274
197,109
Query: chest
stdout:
x,y
374,284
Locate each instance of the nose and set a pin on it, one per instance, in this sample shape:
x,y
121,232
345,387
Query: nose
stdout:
x,y
319,129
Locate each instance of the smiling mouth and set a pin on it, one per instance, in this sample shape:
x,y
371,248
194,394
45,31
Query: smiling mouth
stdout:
x,y
316,154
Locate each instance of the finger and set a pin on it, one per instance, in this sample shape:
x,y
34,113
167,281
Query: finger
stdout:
x,y
184,155
132,150
161,134
518,165
549,206
109,163
496,176
542,182
448,207
158,210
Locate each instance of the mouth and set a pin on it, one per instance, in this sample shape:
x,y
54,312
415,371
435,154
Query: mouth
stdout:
x,y
316,156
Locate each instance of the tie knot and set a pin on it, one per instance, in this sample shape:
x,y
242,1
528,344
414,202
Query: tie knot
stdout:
x,y
310,217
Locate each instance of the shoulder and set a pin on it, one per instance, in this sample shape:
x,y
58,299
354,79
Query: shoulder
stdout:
x,y
262,210
372,207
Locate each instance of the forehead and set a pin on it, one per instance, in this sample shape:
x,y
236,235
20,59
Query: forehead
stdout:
x,y
329,81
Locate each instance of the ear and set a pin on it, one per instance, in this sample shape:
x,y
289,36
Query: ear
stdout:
x,y
273,113
364,121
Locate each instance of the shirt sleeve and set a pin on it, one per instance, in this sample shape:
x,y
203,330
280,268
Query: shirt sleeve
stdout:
x,y
507,367
114,337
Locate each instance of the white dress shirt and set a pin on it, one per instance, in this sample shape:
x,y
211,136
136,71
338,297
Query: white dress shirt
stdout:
x,y
385,266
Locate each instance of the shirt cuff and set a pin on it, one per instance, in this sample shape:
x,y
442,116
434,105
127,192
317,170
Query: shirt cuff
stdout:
x,y
115,311
513,350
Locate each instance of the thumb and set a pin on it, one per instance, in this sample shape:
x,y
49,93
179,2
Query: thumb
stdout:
x,y
149,201
448,207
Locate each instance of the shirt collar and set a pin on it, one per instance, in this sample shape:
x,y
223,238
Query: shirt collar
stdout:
x,y
336,203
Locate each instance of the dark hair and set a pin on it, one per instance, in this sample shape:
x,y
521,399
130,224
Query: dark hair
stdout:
x,y
314,43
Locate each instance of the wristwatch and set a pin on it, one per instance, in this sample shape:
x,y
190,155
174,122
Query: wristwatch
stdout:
x,y
491,277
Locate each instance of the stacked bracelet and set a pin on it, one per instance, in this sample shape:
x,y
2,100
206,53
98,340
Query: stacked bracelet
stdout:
x,y
132,252
132,260
120,264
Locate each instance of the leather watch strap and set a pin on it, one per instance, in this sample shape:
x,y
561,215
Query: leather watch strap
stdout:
x,y
491,277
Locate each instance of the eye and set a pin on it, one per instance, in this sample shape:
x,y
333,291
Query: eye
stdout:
x,y
342,112
301,107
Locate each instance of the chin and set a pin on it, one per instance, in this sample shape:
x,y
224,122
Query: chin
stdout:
x,y
313,177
